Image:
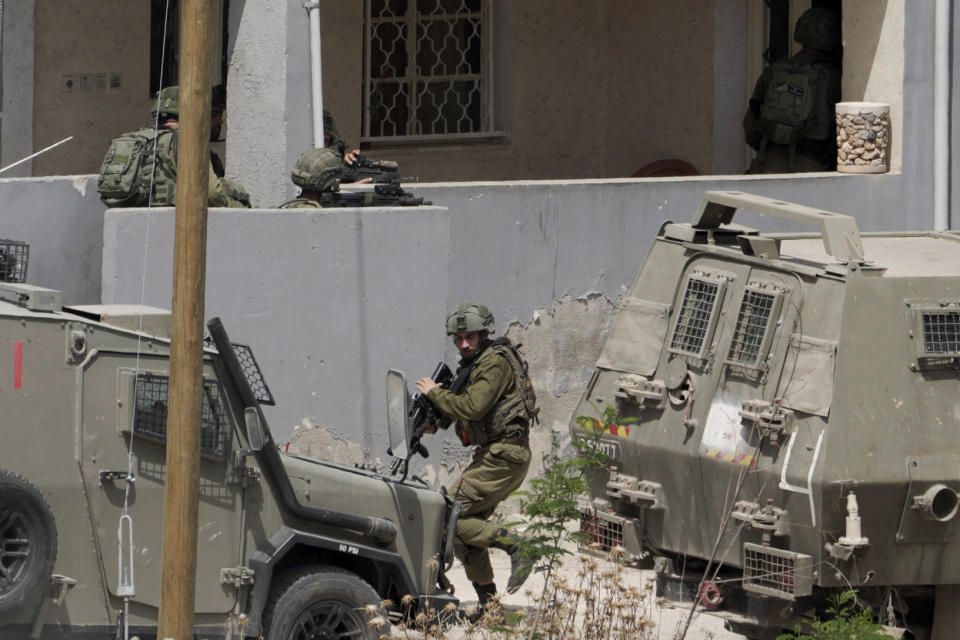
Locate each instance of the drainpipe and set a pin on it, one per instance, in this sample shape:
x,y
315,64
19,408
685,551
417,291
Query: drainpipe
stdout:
x,y
316,73
941,121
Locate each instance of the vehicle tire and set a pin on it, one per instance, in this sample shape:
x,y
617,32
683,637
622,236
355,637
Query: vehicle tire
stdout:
x,y
28,543
321,603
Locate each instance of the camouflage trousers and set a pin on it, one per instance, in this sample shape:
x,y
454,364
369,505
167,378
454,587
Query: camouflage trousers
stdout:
x,y
496,471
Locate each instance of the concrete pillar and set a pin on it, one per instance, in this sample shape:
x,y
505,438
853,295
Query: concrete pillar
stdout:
x,y
257,98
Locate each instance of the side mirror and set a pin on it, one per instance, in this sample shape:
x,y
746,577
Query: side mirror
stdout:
x,y
398,410
255,432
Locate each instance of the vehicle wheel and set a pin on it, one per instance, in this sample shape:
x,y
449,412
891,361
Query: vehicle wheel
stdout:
x,y
28,543
321,603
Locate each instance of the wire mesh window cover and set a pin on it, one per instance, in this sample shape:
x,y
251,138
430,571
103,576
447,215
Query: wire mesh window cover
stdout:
x,y
14,256
776,572
253,374
150,416
694,319
752,322
602,534
427,66
941,332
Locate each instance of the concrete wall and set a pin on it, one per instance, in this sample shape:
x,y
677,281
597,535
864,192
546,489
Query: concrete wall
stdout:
x,y
329,300
79,46
62,220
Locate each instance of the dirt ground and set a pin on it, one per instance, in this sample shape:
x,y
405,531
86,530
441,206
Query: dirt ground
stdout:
x,y
667,620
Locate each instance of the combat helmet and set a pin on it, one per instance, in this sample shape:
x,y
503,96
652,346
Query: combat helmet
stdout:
x,y
818,28
470,316
168,102
318,170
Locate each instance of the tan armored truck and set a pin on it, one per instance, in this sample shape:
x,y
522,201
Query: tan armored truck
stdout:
x,y
782,414
288,547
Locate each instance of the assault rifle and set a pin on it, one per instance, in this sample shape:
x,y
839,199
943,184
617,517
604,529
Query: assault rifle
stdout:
x,y
383,195
422,414
379,171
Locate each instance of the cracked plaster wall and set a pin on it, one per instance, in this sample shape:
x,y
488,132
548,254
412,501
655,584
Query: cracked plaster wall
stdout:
x,y
560,344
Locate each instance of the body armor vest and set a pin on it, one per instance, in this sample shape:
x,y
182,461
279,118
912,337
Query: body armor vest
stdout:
x,y
514,412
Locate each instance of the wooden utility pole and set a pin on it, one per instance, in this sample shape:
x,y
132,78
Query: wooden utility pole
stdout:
x,y
186,348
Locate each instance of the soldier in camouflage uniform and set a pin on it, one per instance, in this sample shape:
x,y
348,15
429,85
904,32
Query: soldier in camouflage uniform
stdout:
x,y
221,192
317,171
494,412
780,94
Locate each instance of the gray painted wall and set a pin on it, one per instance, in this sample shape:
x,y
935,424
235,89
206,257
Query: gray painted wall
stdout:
x,y
62,219
329,300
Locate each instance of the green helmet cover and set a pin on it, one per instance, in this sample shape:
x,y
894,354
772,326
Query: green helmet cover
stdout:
x,y
318,170
168,102
470,316
818,28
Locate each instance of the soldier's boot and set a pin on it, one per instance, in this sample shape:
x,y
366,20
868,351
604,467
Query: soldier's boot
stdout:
x,y
520,563
487,595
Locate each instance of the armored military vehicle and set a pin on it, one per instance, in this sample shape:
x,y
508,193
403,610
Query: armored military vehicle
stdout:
x,y
288,547
781,413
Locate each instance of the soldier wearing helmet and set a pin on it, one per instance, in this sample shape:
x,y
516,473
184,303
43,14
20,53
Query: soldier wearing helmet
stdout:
x,y
790,120
331,140
317,171
493,411
222,192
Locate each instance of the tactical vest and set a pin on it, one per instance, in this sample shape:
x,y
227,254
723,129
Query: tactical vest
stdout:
x,y
514,412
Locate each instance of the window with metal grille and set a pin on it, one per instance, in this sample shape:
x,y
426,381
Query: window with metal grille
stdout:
x,y
941,332
693,329
751,336
427,66
150,415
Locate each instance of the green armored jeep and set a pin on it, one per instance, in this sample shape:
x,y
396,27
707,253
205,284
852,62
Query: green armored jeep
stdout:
x,y
782,411
288,547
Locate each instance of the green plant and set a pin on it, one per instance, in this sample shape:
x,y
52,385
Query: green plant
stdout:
x,y
553,500
847,620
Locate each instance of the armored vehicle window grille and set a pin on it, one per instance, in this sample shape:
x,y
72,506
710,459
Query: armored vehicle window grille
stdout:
x,y
776,572
941,333
427,68
752,322
602,535
691,334
253,374
14,256
150,416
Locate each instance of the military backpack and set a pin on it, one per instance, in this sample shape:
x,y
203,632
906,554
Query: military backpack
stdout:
x,y
796,103
127,172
